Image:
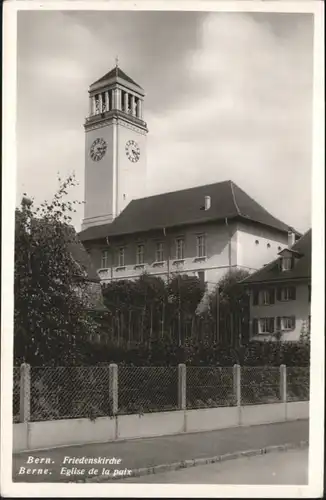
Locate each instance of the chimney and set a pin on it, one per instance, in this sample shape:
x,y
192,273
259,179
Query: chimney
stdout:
x,y
207,202
291,237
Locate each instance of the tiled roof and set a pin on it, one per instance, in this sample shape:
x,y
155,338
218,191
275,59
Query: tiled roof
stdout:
x,y
185,207
301,268
114,73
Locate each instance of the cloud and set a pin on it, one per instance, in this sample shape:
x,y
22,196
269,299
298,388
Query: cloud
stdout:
x,y
249,117
228,97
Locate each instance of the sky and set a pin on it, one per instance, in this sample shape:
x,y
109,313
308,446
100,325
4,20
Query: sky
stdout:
x,y
228,96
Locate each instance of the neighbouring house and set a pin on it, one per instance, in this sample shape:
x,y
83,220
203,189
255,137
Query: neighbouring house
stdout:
x,y
280,294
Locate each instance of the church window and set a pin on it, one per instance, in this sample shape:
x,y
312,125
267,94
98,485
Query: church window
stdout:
x,y
201,245
159,253
124,97
97,104
105,259
140,254
129,104
103,103
179,248
110,92
121,257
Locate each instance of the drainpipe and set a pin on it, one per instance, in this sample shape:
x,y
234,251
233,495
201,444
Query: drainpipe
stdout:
x,y
168,251
229,258
111,267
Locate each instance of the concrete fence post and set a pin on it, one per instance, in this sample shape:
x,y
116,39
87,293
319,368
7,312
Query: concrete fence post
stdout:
x,y
237,384
182,387
113,387
25,393
283,389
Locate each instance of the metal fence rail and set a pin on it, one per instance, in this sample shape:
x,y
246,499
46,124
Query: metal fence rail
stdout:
x,y
69,392
298,383
16,395
209,387
45,393
260,385
147,389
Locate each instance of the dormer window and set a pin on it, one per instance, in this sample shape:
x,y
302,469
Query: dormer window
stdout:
x,y
286,263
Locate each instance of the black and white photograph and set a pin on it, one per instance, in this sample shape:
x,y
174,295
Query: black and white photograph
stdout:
x,y
163,242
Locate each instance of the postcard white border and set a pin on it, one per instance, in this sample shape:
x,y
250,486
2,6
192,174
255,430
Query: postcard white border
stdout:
x,y
316,455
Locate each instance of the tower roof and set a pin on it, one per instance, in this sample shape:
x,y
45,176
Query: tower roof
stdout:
x,y
115,73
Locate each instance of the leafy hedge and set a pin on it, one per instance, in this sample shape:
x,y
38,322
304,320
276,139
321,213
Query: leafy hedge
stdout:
x,y
204,354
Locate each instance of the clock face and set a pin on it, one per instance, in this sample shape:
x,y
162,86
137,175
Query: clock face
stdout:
x,y
132,151
98,149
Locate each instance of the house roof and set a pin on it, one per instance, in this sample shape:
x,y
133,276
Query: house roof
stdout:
x,y
179,208
301,269
79,253
116,73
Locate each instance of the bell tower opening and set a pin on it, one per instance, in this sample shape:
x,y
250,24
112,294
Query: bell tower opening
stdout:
x,y
115,147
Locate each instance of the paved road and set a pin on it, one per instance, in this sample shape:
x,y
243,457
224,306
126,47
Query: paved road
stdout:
x,y
134,454
279,467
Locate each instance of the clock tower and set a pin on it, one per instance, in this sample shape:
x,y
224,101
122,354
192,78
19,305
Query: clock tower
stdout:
x,y
115,154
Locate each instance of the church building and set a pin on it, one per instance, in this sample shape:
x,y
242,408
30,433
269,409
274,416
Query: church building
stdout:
x,y
202,231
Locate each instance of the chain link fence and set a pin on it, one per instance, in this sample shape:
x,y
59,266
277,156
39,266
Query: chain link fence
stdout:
x,y
209,387
260,385
16,394
69,392
147,389
91,392
297,383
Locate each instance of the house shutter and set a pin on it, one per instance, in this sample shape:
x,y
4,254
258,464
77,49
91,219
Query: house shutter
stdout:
x,y
279,293
278,324
255,326
255,298
292,292
272,296
293,322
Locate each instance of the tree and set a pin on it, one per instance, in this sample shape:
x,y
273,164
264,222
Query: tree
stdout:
x,y
149,309
185,294
51,320
230,303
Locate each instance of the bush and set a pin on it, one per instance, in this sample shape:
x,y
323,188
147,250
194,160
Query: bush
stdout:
x,y
163,353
